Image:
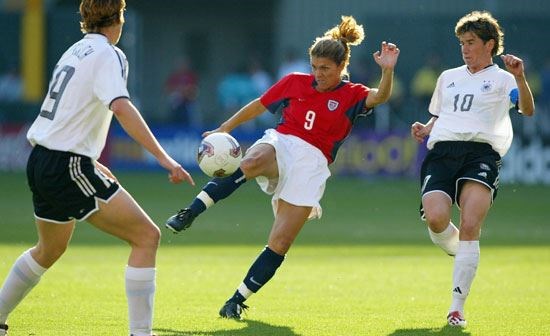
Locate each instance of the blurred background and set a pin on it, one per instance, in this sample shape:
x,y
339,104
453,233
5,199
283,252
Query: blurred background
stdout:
x,y
194,63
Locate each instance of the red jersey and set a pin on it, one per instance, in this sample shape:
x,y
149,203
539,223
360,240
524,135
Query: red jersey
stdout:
x,y
323,119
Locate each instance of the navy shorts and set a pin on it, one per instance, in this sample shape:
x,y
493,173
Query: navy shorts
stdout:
x,y
65,185
451,163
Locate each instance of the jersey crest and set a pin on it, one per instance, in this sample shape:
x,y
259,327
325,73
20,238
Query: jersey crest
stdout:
x,y
487,86
332,105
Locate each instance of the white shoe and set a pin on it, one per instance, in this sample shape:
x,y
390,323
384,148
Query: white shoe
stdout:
x,y
455,318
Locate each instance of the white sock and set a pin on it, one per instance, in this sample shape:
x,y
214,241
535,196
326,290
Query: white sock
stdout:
x,y
140,291
206,199
244,291
466,261
23,276
447,239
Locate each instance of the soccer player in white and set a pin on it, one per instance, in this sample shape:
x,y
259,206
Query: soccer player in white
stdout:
x,y
470,130
88,86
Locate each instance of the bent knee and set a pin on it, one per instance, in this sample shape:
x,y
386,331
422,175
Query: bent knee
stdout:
x,y
437,220
251,165
147,237
47,254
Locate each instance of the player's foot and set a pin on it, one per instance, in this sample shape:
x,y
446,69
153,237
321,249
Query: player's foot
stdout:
x,y
232,310
455,318
3,329
180,221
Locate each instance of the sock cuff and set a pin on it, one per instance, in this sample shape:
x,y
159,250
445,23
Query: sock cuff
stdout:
x,y
238,176
205,198
140,273
33,265
468,246
449,231
244,290
273,255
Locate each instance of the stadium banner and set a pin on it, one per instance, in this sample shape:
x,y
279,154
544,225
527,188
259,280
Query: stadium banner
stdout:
x,y
364,153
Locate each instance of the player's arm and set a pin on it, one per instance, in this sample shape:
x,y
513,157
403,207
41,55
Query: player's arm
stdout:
x,y
386,59
514,65
419,131
248,112
133,123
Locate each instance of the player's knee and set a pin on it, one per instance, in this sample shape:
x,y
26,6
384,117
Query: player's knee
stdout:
x,y
437,220
148,237
251,165
47,254
469,229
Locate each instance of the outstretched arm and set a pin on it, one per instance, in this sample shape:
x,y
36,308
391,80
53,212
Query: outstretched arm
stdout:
x,y
514,65
386,58
132,122
248,112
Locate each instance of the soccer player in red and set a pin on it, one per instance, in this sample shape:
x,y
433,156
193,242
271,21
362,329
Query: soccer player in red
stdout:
x,y
291,161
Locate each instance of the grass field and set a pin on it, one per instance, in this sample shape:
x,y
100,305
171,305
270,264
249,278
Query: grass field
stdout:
x,y
366,268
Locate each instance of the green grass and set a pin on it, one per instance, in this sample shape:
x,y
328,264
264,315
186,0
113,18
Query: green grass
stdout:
x,y
366,268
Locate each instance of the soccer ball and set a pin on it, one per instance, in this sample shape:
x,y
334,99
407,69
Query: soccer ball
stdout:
x,y
219,155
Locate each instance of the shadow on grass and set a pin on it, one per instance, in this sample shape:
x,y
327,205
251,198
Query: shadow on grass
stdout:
x,y
252,328
446,330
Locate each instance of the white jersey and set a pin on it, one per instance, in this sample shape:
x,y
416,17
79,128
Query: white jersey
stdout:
x,y
75,115
474,107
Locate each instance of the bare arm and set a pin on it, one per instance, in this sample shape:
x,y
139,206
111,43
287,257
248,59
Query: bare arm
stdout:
x,y
132,122
386,59
514,65
248,112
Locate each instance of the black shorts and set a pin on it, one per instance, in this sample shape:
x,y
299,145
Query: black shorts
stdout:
x,y
450,163
65,185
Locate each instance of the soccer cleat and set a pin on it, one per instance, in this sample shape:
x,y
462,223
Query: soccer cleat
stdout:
x,y
455,318
3,329
180,221
232,310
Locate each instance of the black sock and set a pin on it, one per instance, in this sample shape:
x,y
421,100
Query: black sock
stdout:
x,y
218,189
263,269
237,297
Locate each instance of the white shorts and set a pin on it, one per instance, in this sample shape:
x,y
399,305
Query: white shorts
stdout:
x,y
303,172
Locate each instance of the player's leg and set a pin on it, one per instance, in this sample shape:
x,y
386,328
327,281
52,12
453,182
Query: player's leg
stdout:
x,y
288,222
475,200
259,160
438,187
27,270
124,218
436,208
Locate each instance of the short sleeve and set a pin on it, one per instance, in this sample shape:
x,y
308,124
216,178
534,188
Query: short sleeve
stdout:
x,y
435,103
110,78
276,92
512,91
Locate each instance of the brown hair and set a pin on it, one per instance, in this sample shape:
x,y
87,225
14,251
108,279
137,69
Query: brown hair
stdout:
x,y
485,26
97,14
335,43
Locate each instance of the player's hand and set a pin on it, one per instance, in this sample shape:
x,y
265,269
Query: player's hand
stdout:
x,y
217,130
419,131
513,64
387,56
176,173
207,133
